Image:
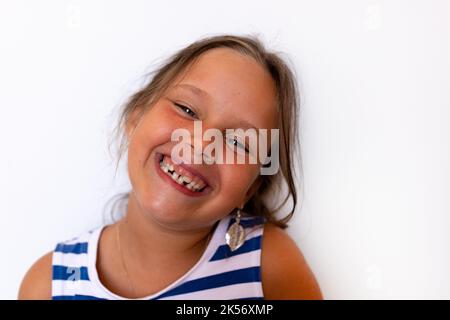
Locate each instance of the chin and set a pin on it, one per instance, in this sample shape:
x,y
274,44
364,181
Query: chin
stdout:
x,y
166,213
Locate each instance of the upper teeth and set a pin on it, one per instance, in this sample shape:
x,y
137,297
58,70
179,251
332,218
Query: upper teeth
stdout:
x,y
191,185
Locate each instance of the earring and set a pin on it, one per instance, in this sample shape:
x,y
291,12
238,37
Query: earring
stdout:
x,y
235,235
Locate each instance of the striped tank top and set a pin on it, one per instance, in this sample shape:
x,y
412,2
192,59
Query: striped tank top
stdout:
x,y
219,274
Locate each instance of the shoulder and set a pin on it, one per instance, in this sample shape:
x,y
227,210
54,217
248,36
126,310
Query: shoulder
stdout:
x,y
284,271
37,282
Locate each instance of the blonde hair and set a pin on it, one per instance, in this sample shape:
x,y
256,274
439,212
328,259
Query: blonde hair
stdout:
x,y
288,116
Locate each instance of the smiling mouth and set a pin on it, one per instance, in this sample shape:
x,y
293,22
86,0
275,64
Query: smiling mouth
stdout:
x,y
181,176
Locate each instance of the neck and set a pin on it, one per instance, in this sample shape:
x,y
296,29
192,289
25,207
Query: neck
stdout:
x,y
145,239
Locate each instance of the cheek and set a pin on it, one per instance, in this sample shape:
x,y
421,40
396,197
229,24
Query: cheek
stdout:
x,y
236,179
155,129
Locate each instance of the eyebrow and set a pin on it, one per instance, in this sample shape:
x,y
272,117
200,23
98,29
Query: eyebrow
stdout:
x,y
195,90
202,93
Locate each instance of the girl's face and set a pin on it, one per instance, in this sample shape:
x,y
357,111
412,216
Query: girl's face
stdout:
x,y
225,90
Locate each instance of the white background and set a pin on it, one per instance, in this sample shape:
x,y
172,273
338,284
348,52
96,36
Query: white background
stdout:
x,y
375,84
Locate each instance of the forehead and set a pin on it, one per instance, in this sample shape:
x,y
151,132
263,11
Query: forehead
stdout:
x,y
233,84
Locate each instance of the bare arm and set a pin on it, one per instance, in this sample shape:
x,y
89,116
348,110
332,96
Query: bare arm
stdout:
x,y
36,285
284,270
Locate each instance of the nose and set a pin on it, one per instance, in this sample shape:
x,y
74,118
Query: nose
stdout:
x,y
193,147
199,144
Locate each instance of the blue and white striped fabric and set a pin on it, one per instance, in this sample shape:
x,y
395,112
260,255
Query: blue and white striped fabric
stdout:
x,y
219,274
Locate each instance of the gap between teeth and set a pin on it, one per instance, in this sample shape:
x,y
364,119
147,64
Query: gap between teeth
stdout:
x,y
181,180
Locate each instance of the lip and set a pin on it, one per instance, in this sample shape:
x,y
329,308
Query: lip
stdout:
x,y
181,188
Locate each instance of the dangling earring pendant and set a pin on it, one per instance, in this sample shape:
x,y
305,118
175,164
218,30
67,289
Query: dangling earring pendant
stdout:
x,y
235,236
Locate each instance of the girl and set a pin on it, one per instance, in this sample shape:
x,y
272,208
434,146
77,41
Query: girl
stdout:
x,y
194,231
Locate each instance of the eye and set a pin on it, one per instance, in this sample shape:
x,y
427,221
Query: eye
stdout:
x,y
186,110
233,141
